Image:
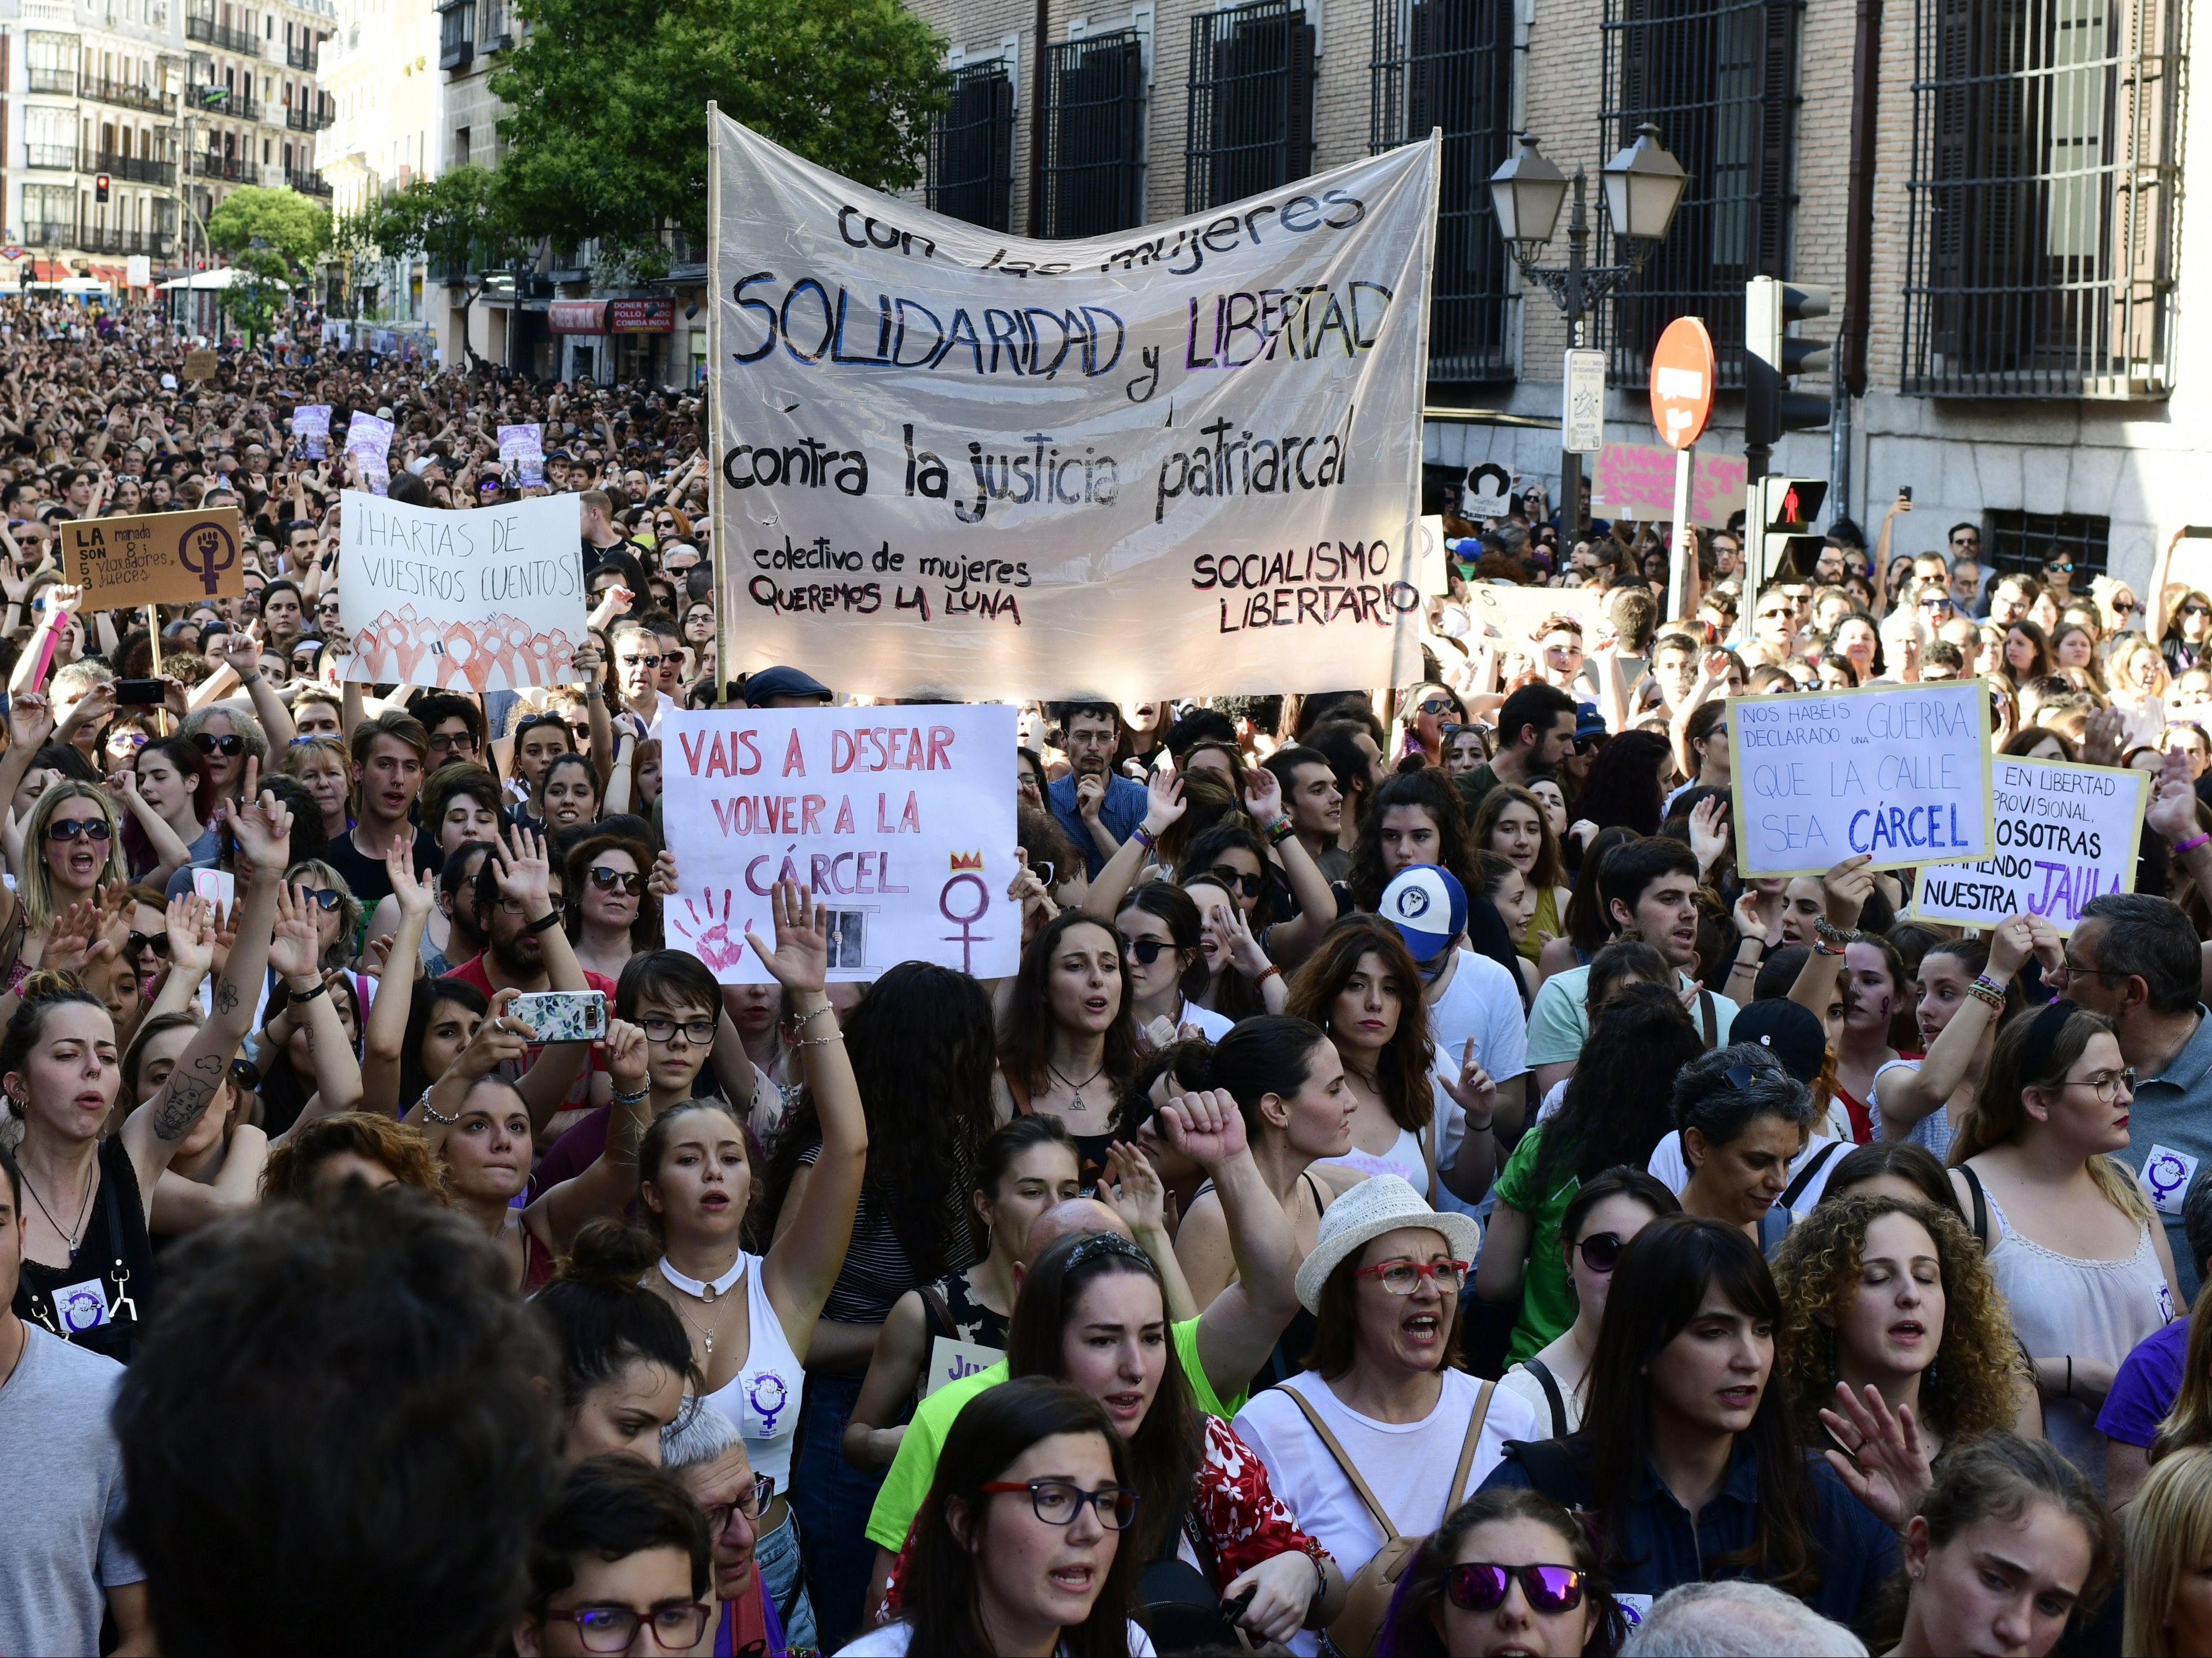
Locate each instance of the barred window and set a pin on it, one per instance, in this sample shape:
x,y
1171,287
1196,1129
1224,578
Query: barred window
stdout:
x,y
2020,541
971,148
2044,197
457,42
1720,79
1448,63
1249,122
1094,125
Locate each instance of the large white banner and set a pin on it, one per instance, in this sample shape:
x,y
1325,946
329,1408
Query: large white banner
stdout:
x,y
955,463
899,819
488,599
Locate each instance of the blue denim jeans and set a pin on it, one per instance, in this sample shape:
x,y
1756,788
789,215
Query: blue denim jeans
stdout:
x,y
777,1555
833,1499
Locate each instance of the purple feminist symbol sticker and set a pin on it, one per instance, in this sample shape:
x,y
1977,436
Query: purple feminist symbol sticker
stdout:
x,y
767,1395
2166,1173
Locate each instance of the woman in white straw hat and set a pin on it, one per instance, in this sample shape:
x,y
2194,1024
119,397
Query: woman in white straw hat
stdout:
x,y
1385,1395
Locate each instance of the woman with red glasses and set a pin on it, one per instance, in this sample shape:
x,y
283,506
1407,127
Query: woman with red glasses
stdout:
x,y
1509,1571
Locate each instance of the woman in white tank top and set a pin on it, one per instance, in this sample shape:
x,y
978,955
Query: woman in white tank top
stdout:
x,y
2070,1232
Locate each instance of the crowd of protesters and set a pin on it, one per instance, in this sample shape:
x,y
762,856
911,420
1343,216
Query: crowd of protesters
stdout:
x,y
1414,1197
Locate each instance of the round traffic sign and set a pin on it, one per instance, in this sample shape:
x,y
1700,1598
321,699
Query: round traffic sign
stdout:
x,y
1682,381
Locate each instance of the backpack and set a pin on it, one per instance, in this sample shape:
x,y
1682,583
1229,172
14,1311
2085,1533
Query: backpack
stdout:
x,y
1367,1599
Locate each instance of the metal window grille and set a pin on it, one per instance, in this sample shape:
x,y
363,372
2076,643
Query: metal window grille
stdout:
x,y
2020,541
1720,79
457,43
971,148
2044,219
1448,63
1094,126
1249,126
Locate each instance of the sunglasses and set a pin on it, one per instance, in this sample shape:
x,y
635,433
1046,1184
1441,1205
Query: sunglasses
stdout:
x,y
606,878
643,661
72,829
156,942
328,897
1435,705
2125,607
207,742
2195,610
2066,569
1251,885
1481,1586
1935,603
1601,1251
1146,951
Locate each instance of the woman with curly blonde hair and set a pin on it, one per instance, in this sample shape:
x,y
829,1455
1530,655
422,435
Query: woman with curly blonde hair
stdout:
x,y
1895,1296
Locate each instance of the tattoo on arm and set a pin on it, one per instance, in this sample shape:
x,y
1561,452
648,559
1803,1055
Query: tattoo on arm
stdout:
x,y
187,1098
226,997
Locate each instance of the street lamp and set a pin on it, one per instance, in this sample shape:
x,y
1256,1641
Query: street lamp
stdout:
x,y
1643,186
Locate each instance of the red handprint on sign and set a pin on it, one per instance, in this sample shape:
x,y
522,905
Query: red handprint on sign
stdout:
x,y
711,937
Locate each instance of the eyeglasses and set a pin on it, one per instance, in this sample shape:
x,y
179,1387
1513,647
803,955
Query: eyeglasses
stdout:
x,y
1057,1502
71,829
1251,885
1435,705
698,1032
1481,1586
1146,951
611,1626
2107,1083
207,742
465,742
606,878
2125,607
1936,605
1777,615
639,661
1402,1278
328,607
1601,1252
2071,968
2066,568
328,898
752,1505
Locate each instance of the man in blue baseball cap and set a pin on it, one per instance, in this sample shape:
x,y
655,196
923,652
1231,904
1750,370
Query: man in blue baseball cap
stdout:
x,y
1474,1019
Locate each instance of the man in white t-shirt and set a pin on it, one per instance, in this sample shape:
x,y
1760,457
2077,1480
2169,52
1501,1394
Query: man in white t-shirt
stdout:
x,y
1475,1015
61,1563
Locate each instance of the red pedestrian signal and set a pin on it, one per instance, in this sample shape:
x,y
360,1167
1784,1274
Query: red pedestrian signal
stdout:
x,y
99,186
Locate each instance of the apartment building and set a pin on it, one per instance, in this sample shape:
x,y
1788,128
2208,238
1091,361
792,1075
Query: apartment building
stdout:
x,y
106,100
1991,190
381,71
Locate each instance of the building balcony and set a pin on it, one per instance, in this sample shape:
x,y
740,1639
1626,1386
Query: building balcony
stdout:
x,y
244,42
137,169
307,183
50,236
50,158
301,57
226,100
124,94
63,81
153,243
301,117
226,167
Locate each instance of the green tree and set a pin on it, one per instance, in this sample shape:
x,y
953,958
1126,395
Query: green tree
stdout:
x,y
458,221
274,237
607,132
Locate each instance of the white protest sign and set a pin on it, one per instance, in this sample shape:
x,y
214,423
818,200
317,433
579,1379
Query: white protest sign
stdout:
x,y
2065,833
1488,491
950,1360
899,819
311,425
1900,771
955,462
487,600
522,451
1515,613
368,445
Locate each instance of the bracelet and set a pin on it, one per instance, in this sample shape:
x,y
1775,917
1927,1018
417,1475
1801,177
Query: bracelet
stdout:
x,y
631,1099
1820,947
1270,971
432,1111
804,1019
817,1042
294,998
1987,990
1145,838
2191,844
1280,831
255,680
545,923
1827,930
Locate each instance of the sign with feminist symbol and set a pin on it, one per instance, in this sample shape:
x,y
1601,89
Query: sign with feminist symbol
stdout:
x,y
954,463
899,819
153,558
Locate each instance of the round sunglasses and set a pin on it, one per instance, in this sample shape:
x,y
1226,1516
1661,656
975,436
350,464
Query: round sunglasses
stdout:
x,y
606,878
208,743
1481,1586
1601,1252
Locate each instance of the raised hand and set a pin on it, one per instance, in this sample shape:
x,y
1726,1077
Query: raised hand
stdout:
x,y
1709,831
800,959
1846,890
626,1055
30,720
2049,948
242,652
522,871
293,949
1132,1189
2012,941
70,936
1746,917
1244,953
192,935
1472,1089
95,708
664,882
1888,1468
2105,738
2171,814
263,829
1206,1126
1263,796
412,896
1164,801
501,1039
1090,795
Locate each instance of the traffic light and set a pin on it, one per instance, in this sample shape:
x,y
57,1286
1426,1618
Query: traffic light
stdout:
x,y
1783,511
99,186
1770,356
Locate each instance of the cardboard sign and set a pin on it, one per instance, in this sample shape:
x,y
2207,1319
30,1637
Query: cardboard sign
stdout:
x,y
369,446
311,428
1514,613
958,463
2065,833
1900,771
1637,480
522,451
153,558
899,819
950,1360
485,599
1581,421
199,365
1488,491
